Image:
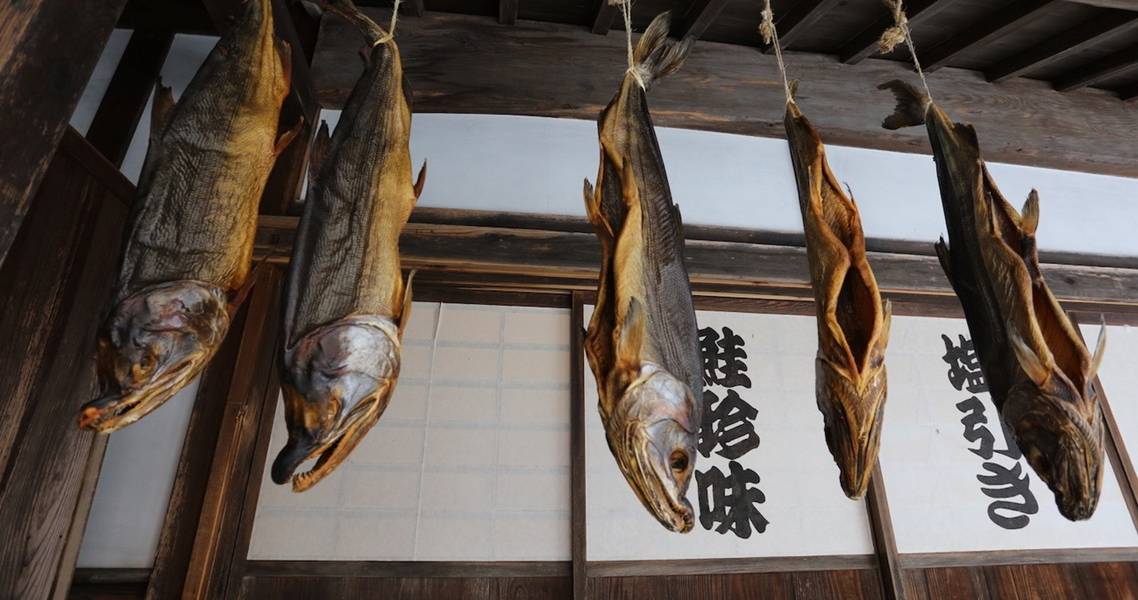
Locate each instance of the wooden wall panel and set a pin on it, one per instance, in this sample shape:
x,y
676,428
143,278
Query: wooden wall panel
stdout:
x,y
1105,581
407,588
54,287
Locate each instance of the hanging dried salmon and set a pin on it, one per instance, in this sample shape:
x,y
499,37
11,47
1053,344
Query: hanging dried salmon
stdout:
x,y
1038,370
853,324
190,235
642,343
346,303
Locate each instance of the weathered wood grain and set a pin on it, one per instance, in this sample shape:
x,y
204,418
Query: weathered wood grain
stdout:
x,y
1016,557
129,90
458,63
47,52
985,30
1083,36
729,566
884,540
54,287
578,526
864,44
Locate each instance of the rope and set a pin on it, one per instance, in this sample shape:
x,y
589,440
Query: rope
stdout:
x,y
390,35
770,36
898,32
626,10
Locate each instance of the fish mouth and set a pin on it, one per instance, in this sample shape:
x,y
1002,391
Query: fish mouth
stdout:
x,y
116,409
643,472
329,453
852,435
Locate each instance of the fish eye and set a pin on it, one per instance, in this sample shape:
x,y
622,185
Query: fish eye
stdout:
x,y
679,461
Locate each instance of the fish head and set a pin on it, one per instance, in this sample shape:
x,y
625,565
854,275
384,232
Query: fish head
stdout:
x,y
337,382
653,433
1059,441
154,342
852,414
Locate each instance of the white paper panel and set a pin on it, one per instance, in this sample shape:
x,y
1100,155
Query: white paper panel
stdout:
x,y
1119,376
806,511
470,461
937,502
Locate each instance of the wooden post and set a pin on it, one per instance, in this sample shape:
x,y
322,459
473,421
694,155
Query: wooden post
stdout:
x,y
54,286
48,50
880,521
578,533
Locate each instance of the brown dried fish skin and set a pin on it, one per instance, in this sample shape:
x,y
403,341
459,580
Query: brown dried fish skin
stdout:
x,y
346,302
642,343
853,325
193,223
1037,368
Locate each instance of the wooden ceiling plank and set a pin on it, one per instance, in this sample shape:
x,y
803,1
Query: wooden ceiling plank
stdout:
x,y
1128,93
1120,4
470,64
1065,44
606,14
1003,21
415,8
700,16
864,44
508,12
1119,62
800,18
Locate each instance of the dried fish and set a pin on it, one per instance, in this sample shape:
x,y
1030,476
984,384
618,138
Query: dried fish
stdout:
x,y
346,303
1038,370
189,241
853,326
642,343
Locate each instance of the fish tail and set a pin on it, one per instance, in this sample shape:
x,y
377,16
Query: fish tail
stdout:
x,y
911,105
656,56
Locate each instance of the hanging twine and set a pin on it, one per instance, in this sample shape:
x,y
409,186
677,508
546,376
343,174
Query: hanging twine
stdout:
x,y
900,32
626,10
770,37
390,35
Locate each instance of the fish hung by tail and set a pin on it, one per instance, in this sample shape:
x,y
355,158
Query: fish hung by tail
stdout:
x,y
656,56
911,105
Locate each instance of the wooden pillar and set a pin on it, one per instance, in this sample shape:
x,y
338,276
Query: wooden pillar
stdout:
x,y
48,50
54,288
884,542
578,531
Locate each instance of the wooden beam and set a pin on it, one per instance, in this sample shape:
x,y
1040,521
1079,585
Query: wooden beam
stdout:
x,y
864,44
47,52
606,14
1120,4
987,29
1065,44
800,18
884,541
427,569
253,387
1119,62
415,8
508,12
577,492
560,260
729,566
1128,93
700,15
466,64
56,281
130,88
991,558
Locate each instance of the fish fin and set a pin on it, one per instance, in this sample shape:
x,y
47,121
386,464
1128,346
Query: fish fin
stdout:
x,y
421,180
287,137
630,336
405,312
1100,350
656,56
1029,216
945,258
1028,360
911,104
161,110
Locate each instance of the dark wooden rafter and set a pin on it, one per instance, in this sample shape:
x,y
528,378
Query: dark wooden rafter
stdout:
x,y
1119,62
415,8
985,30
469,64
48,50
1128,93
1083,36
508,12
129,90
606,15
700,15
864,44
798,20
